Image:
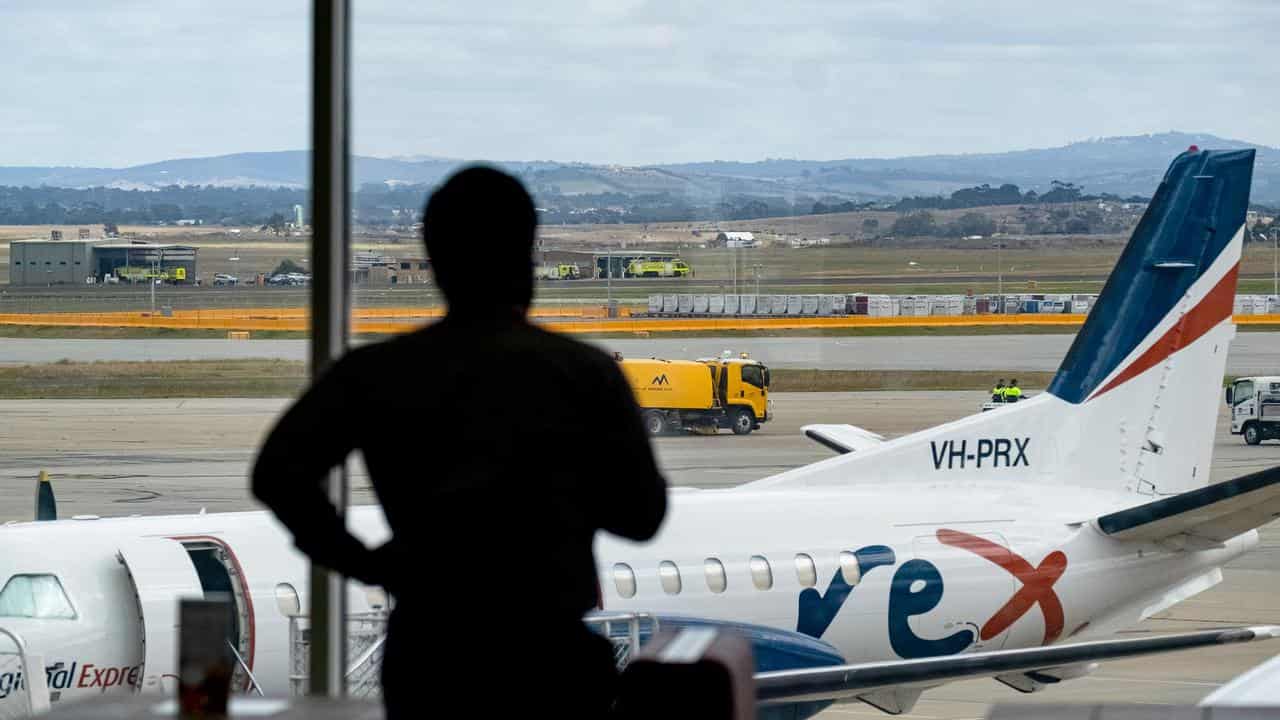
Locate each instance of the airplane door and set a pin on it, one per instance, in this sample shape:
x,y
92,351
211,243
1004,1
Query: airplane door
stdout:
x,y
969,587
162,574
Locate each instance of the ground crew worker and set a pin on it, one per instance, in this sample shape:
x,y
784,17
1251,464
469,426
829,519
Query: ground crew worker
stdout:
x,y
997,392
1013,393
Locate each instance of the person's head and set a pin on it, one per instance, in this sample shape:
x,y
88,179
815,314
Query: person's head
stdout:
x,y
1013,382
479,231
1000,382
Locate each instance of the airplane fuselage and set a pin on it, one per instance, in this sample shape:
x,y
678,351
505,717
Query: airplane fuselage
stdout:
x,y
879,574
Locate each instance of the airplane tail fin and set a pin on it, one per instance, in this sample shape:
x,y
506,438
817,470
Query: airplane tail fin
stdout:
x,y
1145,371
1135,403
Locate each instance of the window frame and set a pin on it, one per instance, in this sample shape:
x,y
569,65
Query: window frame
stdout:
x,y
664,576
753,565
66,597
713,567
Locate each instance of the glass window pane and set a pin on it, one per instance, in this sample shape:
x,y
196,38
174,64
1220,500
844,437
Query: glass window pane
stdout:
x,y
761,573
806,571
669,575
850,568
35,596
717,580
624,580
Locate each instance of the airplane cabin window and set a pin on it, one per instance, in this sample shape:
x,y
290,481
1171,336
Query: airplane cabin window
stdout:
x,y
669,575
806,571
850,568
761,573
624,580
35,596
717,581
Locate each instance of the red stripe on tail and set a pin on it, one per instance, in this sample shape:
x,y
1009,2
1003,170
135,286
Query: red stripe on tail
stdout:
x,y
1211,310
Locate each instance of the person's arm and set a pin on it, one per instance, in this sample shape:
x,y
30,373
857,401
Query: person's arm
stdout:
x,y
315,435
634,491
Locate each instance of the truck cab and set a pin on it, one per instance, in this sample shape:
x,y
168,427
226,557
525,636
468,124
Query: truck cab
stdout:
x,y
1255,408
742,388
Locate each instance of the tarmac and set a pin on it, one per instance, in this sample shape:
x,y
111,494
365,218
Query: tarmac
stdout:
x,y
1252,353
111,457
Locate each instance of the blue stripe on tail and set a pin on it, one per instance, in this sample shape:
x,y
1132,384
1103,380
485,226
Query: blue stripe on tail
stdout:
x,y
1195,212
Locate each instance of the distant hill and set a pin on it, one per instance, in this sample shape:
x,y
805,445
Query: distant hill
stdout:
x,y
1131,165
1120,165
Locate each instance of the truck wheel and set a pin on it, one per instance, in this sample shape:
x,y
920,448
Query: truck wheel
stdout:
x,y
1252,434
743,423
654,423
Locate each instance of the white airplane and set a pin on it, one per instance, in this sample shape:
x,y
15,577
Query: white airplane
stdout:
x,y
1010,544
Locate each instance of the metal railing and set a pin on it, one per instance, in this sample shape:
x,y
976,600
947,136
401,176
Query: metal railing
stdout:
x,y
32,685
627,632
367,637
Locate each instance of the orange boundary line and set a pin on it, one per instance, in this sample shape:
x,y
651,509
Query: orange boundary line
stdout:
x,y
569,320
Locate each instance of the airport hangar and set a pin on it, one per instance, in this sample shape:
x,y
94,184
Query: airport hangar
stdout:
x,y
88,261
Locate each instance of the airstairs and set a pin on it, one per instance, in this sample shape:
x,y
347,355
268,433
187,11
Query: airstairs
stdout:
x,y
367,636
24,688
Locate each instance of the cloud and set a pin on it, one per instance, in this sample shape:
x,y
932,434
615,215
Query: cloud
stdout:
x,y
632,82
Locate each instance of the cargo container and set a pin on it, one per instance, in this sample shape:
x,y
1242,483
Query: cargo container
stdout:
x,y
701,304
655,304
777,304
670,304
686,304
746,304
715,304
808,305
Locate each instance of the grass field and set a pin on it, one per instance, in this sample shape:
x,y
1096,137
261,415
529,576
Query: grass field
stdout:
x,y
285,378
1053,264
136,380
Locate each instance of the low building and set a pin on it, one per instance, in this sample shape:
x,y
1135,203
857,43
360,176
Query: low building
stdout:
x,y
51,262
385,271
729,239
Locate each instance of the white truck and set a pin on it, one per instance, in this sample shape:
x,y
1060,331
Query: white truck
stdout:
x,y
1255,408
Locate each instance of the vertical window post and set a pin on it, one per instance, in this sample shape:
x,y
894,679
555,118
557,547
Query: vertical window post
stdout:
x,y
330,186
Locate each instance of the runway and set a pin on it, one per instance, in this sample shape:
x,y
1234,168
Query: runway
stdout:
x,y
1252,353
163,456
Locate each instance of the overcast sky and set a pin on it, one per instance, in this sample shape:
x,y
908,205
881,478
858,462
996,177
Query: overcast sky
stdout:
x,y
93,83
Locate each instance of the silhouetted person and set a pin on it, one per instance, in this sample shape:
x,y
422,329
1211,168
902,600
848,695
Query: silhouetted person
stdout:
x,y
497,451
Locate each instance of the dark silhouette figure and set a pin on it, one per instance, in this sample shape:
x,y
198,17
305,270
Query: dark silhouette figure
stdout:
x,y
497,451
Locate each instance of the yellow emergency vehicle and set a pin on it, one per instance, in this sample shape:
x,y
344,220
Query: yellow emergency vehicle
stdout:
x,y
657,268
704,394
143,274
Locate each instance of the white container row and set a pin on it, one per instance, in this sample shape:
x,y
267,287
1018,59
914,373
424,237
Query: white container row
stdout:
x,y
903,305
1256,305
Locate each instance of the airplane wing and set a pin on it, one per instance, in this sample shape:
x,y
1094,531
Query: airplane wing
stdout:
x,y
1258,686
842,438
1203,517
894,686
